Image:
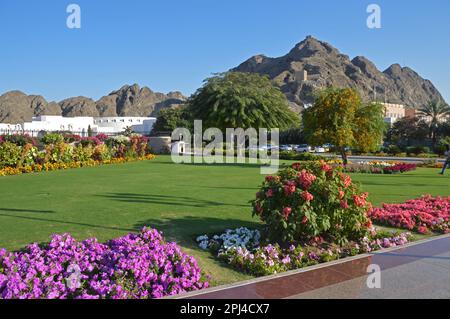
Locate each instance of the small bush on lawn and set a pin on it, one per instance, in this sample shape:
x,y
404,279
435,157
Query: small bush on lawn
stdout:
x,y
313,199
134,266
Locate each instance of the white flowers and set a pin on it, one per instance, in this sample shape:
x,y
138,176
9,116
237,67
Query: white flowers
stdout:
x,y
231,239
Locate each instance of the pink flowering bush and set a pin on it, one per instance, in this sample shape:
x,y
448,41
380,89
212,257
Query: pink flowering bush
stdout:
x,y
312,199
134,266
423,215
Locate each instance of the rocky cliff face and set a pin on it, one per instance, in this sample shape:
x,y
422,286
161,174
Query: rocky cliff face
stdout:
x,y
17,107
326,66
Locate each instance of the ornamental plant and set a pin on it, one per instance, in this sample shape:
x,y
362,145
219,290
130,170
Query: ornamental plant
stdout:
x,y
9,154
137,266
423,214
312,199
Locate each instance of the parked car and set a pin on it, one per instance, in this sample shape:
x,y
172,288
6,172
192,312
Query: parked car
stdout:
x,y
327,147
303,148
319,149
286,148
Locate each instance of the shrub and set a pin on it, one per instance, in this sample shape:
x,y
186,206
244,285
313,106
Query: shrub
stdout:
x,y
294,156
134,266
415,150
58,153
101,153
393,150
52,138
9,154
312,199
90,141
20,139
71,138
82,154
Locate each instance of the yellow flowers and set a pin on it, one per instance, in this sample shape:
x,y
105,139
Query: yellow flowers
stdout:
x,y
7,171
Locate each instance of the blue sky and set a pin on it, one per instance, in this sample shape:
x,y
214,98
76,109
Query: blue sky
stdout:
x,y
175,44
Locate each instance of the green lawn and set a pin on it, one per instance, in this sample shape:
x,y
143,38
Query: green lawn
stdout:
x,y
181,200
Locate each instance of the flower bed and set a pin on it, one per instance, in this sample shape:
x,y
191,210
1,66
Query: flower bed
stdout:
x,y
379,167
134,266
423,215
36,168
22,154
238,248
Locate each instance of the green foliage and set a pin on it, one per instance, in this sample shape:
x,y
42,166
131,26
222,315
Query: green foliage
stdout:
x,y
170,119
294,156
19,139
416,150
241,100
339,117
313,199
9,154
393,150
52,138
407,131
435,111
292,136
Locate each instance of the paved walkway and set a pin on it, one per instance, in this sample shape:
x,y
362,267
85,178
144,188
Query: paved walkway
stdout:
x,y
420,270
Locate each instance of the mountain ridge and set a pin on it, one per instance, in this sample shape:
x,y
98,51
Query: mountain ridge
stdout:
x,y
327,66
130,100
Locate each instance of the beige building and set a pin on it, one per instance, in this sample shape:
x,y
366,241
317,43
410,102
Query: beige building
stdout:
x,y
393,112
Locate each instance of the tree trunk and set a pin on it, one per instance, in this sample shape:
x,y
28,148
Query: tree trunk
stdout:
x,y
344,156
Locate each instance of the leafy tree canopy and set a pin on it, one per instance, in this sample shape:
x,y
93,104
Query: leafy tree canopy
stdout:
x,y
241,100
339,117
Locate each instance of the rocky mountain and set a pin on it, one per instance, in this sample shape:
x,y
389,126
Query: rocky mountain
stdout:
x,y
17,107
326,66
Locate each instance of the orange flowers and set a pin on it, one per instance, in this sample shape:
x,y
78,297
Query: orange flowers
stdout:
x,y
7,171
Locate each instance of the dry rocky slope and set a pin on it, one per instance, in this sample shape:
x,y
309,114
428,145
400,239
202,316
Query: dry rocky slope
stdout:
x,y
17,107
326,66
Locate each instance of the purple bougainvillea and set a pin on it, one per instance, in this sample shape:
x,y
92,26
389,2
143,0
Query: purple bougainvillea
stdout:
x,y
134,266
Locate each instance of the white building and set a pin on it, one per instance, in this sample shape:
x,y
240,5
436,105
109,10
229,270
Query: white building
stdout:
x,y
142,125
81,125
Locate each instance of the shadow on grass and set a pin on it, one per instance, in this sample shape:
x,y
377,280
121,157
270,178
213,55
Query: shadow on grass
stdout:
x,y
48,220
168,200
26,210
185,229
220,187
239,165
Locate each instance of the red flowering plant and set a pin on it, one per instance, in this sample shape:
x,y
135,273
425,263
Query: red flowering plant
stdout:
x,y
308,200
424,215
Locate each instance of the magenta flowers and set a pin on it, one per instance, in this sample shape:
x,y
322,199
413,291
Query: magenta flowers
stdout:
x,y
134,266
423,214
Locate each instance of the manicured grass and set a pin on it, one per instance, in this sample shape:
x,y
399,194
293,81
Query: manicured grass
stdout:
x,y
181,200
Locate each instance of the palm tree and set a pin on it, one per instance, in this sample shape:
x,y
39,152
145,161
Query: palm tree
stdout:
x,y
435,112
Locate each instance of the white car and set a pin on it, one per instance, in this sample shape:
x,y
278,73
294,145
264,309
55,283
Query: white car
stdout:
x,y
303,148
319,149
286,148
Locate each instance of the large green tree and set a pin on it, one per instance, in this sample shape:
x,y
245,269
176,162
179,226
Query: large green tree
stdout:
x,y
171,118
241,100
435,113
339,117
407,131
